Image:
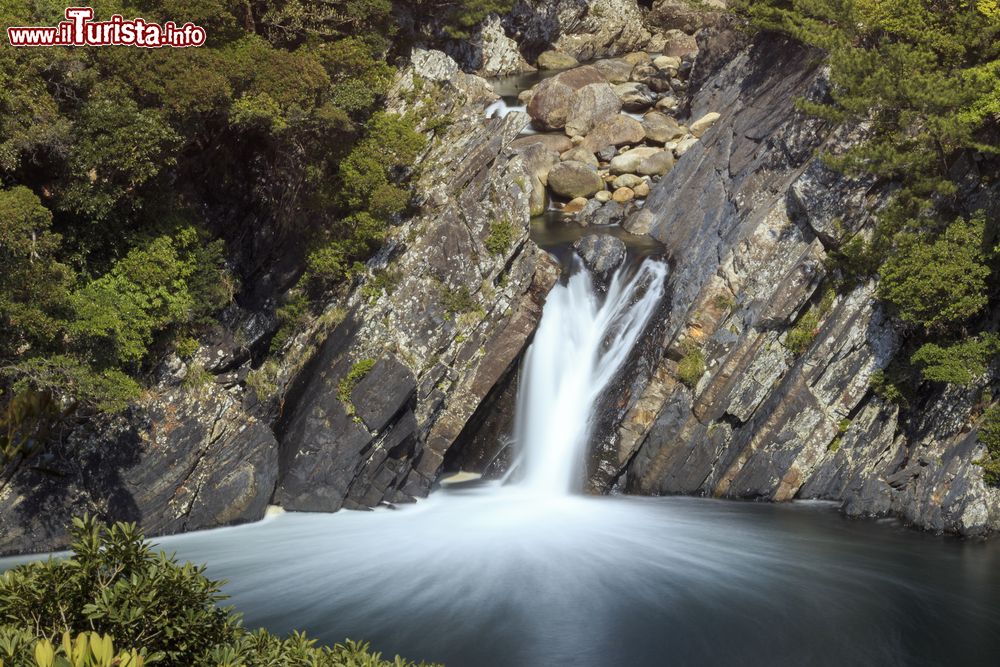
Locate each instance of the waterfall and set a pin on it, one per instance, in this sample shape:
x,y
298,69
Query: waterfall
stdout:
x,y
581,343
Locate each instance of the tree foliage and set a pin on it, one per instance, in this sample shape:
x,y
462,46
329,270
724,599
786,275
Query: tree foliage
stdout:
x,y
923,76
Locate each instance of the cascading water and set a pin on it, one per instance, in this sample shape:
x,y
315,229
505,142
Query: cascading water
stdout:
x,y
579,347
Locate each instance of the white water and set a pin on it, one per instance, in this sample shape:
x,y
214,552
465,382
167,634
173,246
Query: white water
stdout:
x,y
579,347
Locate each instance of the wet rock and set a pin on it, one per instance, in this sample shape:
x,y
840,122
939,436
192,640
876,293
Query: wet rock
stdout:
x,y
576,205
575,179
556,60
618,130
635,96
552,100
629,161
589,105
611,213
640,222
661,128
600,253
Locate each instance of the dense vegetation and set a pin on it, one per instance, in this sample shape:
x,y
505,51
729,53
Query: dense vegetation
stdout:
x,y
142,191
923,78
115,591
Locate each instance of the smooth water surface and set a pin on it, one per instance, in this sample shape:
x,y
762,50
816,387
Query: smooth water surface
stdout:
x,y
498,576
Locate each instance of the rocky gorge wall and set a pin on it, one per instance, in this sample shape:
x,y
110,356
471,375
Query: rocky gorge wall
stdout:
x,y
748,218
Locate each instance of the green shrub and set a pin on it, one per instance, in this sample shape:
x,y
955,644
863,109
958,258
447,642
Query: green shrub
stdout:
x,y
357,373
691,366
500,238
801,336
115,591
458,300
960,363
938,282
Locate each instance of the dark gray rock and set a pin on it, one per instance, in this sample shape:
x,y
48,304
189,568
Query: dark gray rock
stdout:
x,y
600,253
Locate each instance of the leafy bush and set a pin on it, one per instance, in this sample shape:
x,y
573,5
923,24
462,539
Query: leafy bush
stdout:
x,y
691,366
500,238
960,363
801,336
938,282
115,590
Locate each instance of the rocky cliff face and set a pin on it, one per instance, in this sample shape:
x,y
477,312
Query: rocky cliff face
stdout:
x,y
748,217
362,407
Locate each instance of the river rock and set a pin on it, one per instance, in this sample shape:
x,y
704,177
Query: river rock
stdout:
x,y
668,63
629,161
661,128
704,124
576,205
615,131
557,143
575,179
600,253
580,154
635,96
680,44
551,103
641,190
622,195
611,213
640,222
668,103
555,60
657,164
603,196
637,57
655,79
614,70
626,181
590,104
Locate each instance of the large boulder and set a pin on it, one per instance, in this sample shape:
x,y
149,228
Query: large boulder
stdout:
x,y
575,179
661,128
635,96
615,131
556,60
553,98
615,70
600,253
591,104
629,161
